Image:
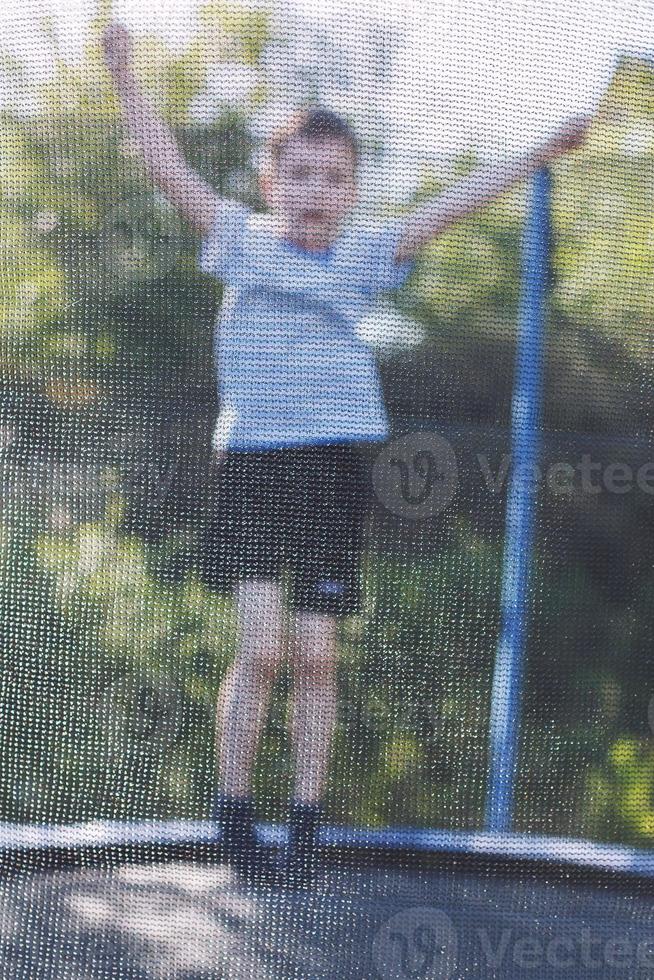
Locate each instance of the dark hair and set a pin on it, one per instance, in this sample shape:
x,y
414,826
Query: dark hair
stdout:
x,y
317,123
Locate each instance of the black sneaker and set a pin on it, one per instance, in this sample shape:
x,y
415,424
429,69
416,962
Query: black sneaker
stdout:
x,y
300,861
242,849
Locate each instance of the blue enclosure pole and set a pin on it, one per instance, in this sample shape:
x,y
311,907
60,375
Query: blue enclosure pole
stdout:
x,y
525,425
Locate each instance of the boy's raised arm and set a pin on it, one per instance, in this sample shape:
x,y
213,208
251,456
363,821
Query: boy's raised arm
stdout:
x,y
164,161
481,187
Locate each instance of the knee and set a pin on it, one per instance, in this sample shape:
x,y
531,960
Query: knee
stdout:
x,y
313,659
261,655
313,650
261,637
313,671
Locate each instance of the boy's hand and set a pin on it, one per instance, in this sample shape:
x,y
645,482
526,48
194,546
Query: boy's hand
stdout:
x,y
569,137
193,196
117,46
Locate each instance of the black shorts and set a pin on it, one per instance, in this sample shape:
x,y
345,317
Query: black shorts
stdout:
x,y
300,509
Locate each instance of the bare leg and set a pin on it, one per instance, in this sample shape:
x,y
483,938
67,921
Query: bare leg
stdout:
x,y
245,692
313,701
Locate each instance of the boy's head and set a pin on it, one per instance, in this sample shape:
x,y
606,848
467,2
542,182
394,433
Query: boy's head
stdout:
x,y
309,179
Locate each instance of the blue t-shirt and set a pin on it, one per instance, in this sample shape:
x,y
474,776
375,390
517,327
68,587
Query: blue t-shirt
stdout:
x,y
291,369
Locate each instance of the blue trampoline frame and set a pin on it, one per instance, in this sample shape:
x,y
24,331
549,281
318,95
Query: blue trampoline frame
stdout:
x,y
506,698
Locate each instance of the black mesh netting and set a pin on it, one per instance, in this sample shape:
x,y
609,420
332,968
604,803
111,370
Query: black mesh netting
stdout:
x,y
327,520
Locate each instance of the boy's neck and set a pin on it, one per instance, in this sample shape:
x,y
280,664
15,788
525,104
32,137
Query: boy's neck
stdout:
x,y
316,245
312,248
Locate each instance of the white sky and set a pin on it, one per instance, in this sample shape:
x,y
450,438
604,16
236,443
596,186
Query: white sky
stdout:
x,y
495,74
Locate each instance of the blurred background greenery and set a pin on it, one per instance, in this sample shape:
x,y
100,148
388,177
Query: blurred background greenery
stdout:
x,y
112,650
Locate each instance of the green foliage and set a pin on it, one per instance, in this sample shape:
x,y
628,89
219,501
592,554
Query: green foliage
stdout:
x,y
91,254
146,660
601,329
415,687
126,670
623,793
112,660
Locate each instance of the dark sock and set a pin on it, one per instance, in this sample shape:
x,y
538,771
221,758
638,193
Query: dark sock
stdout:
x,y
302,852
304,821
235,816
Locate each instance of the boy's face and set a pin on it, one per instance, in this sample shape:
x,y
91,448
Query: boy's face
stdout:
x,y
312,189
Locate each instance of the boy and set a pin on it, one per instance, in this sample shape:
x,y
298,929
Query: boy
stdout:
x,y
299,393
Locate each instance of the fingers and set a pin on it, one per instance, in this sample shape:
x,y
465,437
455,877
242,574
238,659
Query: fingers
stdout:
x,y
579,127
571,135
117,44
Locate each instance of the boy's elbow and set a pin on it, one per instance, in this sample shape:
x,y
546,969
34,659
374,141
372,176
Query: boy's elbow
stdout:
x,y
415,239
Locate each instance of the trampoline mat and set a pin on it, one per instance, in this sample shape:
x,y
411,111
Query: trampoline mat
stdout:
x,y
190,921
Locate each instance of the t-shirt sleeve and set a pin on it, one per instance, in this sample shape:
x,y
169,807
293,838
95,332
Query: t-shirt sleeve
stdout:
x,y
222,247
381,271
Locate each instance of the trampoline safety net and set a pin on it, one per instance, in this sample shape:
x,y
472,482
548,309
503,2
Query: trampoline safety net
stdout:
x,y
327,510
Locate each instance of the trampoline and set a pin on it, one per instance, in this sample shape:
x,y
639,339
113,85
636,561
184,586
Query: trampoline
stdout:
x,y
491,796
156,901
